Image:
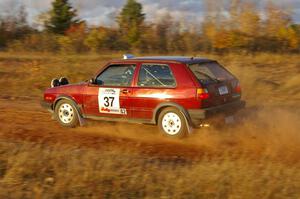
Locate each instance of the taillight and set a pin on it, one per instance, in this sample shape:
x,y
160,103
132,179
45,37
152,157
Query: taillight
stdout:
x,y
202,93
238,88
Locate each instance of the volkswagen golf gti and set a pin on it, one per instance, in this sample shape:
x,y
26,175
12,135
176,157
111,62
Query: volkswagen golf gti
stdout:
x,y
175,93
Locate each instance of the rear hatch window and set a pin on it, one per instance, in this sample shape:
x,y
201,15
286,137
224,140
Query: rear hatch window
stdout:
x,y
219,82
210,72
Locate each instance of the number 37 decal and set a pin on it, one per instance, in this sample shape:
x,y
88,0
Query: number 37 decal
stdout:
x,y
109,101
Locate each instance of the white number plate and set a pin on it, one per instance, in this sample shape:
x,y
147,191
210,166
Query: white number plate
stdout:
x,y
223,90
109,101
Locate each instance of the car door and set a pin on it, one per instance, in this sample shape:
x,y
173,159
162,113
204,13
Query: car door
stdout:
x,y
155,84
109,95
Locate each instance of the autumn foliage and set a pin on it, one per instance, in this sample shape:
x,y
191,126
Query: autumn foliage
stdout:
x,y
239,27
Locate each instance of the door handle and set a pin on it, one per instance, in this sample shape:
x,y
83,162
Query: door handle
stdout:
x,y
125,91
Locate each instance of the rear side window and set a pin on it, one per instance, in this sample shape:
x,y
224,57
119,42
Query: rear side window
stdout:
x,y
211,71
116,75
156,75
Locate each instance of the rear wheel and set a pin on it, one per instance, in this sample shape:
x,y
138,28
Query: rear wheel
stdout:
x,y
66,113
172,123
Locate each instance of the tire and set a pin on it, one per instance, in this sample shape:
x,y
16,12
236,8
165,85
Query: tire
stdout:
x,y
66,114
172,123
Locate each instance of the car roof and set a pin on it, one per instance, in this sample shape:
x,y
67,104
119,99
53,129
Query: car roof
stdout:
x,y
180,59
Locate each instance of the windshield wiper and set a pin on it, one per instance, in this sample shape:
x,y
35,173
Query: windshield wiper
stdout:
x,y
208,76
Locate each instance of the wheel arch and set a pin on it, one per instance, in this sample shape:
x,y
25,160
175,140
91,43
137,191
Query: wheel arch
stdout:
x,y
164,105
65,97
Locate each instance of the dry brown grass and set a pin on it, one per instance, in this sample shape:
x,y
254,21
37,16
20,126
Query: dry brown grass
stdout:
x,y
259,158
265,78
34,170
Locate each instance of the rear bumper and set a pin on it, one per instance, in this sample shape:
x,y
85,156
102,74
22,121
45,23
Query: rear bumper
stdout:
x,y
46,105
199,115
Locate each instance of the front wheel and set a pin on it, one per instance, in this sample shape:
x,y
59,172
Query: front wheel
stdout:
x,y
172,123
66,114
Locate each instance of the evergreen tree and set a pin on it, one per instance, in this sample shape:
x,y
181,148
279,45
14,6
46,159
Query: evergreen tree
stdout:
x,y
163,29
131,20
61,17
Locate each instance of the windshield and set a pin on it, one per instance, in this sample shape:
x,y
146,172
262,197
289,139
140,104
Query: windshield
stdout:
x,y
210,72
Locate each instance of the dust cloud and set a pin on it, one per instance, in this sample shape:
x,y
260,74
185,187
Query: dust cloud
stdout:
x,y
259,132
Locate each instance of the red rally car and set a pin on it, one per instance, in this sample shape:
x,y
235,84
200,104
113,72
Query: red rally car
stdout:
x,y
175,93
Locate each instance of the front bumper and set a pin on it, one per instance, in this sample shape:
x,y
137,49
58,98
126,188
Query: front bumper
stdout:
x,y
199,115
47,106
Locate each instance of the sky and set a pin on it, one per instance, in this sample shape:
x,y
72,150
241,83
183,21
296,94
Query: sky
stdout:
x,y
103,12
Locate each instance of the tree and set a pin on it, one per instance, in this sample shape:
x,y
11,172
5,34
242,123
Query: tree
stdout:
x,y
163,29
249,27
14,26
131,21
176,43
277,27
249,19
77,33
104,39
212,24
61,17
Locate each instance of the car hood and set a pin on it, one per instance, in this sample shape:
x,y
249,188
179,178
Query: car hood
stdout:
x,y
66,88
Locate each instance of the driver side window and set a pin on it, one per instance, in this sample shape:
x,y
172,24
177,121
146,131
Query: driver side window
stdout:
x,y
116,75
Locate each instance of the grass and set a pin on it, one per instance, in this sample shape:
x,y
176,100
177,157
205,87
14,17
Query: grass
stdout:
x,y
265,78
257,159
30,170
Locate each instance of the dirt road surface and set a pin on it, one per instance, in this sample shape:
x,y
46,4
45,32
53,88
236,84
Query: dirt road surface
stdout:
x,y
261,131
24,119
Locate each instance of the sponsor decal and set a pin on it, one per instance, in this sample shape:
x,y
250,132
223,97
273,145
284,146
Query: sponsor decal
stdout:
x,y
109,101
109,91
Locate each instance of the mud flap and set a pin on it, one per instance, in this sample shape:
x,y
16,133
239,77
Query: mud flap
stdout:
x,y
190,129
189,126
82,121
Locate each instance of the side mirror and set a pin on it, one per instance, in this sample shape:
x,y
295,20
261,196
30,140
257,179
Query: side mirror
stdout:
x,y
100,82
